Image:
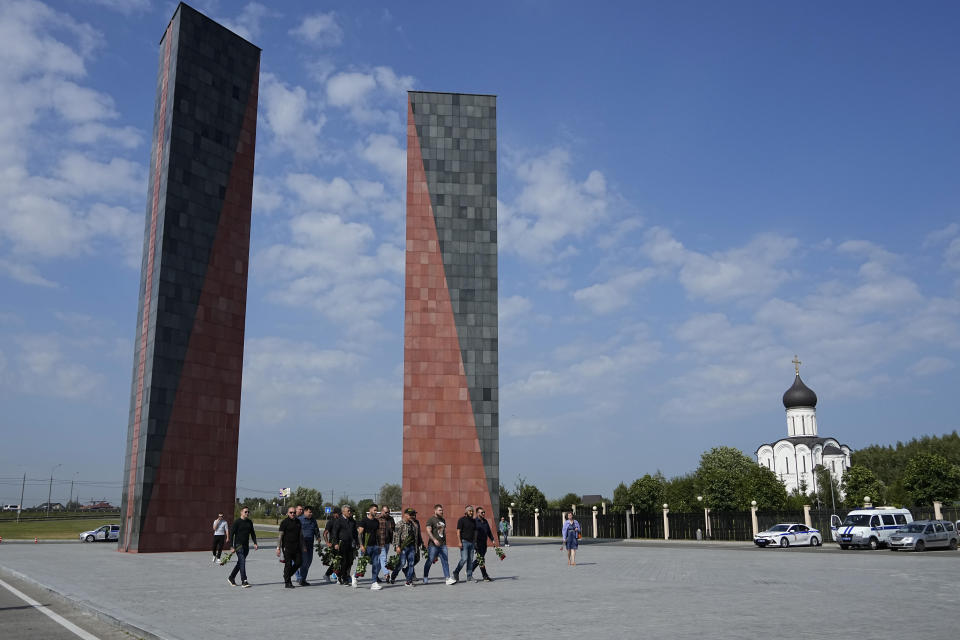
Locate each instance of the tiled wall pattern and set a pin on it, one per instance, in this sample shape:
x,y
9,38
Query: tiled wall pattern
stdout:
x,y
181,458
451,415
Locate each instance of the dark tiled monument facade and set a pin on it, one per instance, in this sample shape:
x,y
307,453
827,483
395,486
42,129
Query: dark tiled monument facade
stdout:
x,y
181,458
451,443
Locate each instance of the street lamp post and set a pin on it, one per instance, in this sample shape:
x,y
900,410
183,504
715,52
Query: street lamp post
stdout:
x,y
71,488
50,487
706,518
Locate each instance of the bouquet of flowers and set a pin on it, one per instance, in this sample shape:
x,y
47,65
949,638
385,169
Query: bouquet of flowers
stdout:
x,y
479,562
362,566
499,552
329,556
393,562
224,559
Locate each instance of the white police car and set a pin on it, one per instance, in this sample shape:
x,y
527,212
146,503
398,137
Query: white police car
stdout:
x,y
787,534
106,533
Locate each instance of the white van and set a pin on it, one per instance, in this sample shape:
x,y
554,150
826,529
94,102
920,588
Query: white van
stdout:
x,y
11,507
868,527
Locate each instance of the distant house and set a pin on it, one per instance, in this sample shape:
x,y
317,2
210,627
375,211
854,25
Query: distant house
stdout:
x,y
54,506
98,506
591,500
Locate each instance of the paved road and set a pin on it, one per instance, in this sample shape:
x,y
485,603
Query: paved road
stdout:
x,y
22,621
673,590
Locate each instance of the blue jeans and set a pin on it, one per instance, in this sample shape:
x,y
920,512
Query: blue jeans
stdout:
x,y
374,552
306,559
384,552
241,553
407,557
466,558
432,554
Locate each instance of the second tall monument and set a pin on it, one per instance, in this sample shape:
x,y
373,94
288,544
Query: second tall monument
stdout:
x,y
451,441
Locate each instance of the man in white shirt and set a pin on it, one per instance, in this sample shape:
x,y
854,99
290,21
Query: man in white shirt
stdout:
x,y
220,529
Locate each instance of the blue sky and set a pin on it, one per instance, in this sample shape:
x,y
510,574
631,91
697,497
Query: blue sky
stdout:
x,y
690,193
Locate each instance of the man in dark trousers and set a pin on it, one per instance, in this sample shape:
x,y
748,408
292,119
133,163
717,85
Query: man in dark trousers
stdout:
x,y
289,545
370,543
467,533
344,537
328,540
241,533
308,531
484,534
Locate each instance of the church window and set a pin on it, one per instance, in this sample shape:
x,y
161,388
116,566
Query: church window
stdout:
x,y
804,463
787,462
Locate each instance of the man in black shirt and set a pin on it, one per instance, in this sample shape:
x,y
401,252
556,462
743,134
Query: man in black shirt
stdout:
x,y
484,533
328,540
241,533
288,546
467,534
370,543
344,538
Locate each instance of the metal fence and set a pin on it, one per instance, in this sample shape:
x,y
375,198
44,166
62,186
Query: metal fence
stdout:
x,y
718,525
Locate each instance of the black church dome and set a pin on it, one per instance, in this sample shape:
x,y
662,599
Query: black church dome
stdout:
x,y
799,395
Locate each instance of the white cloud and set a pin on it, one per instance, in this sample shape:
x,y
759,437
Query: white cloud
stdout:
x,y
96,132
321,29
247,24
126,7
552,207
744,272
370,98
521,427
384,152
930,365
614,294
24,273
40,367
291,117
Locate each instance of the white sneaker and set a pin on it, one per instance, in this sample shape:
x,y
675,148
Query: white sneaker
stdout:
x,y
375,586
451,581
426,580
353,582
213,559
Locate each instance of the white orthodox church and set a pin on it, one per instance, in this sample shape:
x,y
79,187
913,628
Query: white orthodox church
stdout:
x,y
794,457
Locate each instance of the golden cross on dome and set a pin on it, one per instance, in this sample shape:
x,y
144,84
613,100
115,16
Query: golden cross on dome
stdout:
x,y
796,364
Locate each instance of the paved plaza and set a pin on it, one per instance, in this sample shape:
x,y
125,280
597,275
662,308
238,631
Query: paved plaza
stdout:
x,y
636,589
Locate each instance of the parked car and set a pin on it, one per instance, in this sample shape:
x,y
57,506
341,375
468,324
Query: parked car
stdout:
x,y
11,507
921,535
106,533
786,534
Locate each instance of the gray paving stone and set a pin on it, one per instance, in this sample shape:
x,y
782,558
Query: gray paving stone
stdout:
x,y
617,590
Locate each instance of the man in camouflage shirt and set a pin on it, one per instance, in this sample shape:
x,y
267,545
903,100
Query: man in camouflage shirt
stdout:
x,y
406,541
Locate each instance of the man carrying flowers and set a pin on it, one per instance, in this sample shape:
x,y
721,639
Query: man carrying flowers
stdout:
x,y
345,539
370,544
406,541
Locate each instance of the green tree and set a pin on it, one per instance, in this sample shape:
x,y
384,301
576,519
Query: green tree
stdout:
x,y
505,499
621,498
391,495
763,485
681,493
648,493
828,488
363,506
565,501
859,482
929,477
721,477
528,497
306,497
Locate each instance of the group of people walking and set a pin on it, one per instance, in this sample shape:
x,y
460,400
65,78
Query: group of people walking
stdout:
x,y
343,539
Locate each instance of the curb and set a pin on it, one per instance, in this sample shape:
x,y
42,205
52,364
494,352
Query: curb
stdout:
x,y
85,606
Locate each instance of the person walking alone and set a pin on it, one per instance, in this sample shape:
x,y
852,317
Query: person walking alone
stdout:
x,y
571,538
220,529
483,535
330,575
241,533
467,540
289,545
504,529
344,537
437,545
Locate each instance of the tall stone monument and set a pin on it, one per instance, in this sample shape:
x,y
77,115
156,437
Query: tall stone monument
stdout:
x,y
181,457
451,442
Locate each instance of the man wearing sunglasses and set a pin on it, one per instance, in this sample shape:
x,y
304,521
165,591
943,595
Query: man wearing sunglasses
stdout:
x,y
288,546
241,533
